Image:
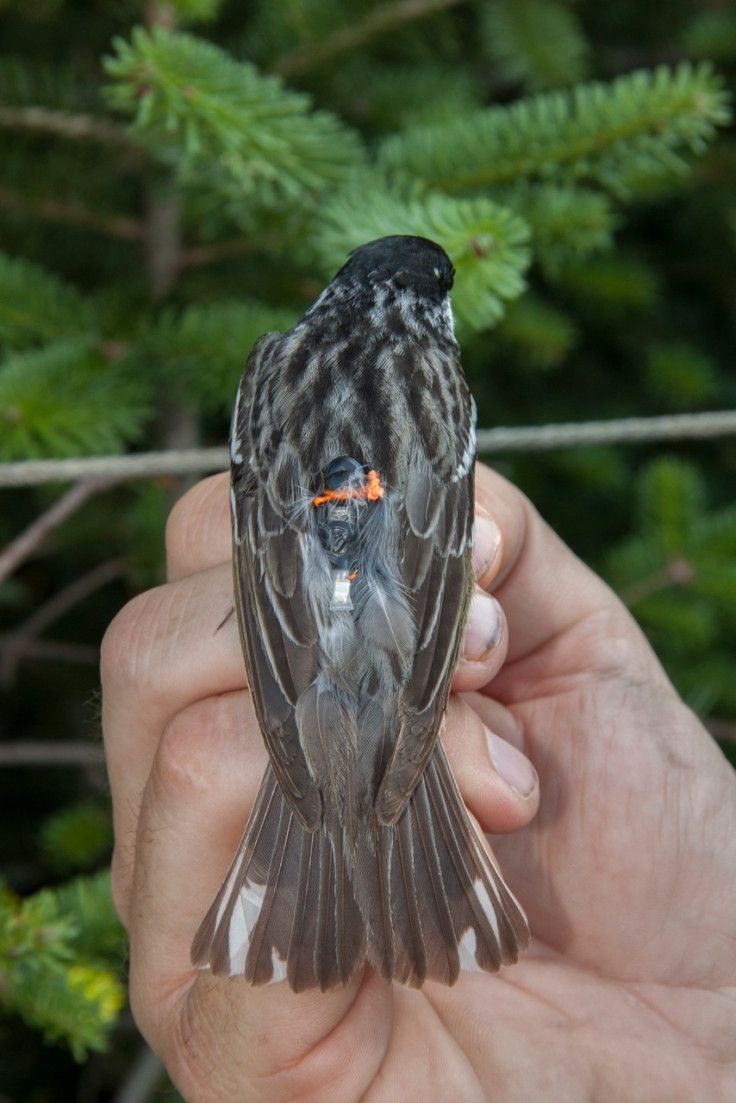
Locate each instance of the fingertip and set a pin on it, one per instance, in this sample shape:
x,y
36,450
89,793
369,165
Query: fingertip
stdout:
x,y
487,548
498,783
198,532
484,646
513,767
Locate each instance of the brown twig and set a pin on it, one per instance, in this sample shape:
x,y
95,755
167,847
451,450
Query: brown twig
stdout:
x,y
144,1076
18,550
676,572
57,605
725,730
55,651
41,752
196,256
381,19
126,229
87,128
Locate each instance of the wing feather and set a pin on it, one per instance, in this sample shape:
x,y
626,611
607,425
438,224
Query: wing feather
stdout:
x,y
436,535
276,623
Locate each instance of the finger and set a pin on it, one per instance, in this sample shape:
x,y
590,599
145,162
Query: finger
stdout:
x,y
163,652
195,805
484,646
198,533
487,550
498,783
545,590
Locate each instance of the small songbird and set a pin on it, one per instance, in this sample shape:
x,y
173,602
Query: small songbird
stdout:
x,y
353,447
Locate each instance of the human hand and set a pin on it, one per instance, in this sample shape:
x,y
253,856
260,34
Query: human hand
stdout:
x,y
627,874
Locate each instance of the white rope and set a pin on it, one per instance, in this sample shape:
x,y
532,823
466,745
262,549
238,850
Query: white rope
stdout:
x,y
630,430
199,461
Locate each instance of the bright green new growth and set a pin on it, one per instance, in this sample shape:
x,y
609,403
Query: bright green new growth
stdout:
x,y
58,953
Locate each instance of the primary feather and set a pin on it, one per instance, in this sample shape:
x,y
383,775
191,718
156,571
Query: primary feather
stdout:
x,y
352,446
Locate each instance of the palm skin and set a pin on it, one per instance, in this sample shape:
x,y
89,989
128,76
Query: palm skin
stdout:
x,y
627,873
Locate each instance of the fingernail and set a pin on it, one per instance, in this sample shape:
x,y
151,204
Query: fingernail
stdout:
x,y
486,545
511,765
483,629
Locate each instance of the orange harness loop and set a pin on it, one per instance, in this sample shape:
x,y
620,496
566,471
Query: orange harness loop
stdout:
x,y
372,489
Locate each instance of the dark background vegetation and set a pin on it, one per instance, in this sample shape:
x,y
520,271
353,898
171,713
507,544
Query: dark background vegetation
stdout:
x,y
595,281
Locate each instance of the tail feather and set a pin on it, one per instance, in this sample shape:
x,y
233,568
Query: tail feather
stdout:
x,y
285,908
420,899
448,905
490,925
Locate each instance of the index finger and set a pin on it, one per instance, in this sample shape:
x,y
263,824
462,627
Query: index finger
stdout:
x,y
547,593
198,531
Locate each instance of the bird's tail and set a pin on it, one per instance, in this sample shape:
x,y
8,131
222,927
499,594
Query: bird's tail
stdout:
x,y
286,908
422,900
433,899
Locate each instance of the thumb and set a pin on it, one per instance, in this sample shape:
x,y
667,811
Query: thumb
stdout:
x,y
219,1035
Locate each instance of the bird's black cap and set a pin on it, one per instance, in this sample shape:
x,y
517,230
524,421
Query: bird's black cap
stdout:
x,y
405,261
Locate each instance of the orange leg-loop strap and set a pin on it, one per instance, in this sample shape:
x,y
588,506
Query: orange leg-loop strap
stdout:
x,y
372,489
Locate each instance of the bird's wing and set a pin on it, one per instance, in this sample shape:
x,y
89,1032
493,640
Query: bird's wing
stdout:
x,y
275,619
437,536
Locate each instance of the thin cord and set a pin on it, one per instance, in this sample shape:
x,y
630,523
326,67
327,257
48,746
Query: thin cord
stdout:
x,y
198,461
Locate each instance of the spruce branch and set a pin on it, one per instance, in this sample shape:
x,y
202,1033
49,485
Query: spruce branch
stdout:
x,y
675,573
568,223
488,243
670,503
78,837
199,352
539,332
194,106
46,973
36,305
614,280
385,17
618,136
195,11
538,43
64,398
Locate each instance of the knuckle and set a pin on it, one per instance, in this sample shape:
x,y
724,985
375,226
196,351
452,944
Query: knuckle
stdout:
x,y
128,643
211,749
185,749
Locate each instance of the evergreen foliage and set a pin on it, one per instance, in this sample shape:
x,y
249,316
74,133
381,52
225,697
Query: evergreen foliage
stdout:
x,y
64,400
620,136
56,952
536,43
77,837
37,306
192,103
488,242
179,177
